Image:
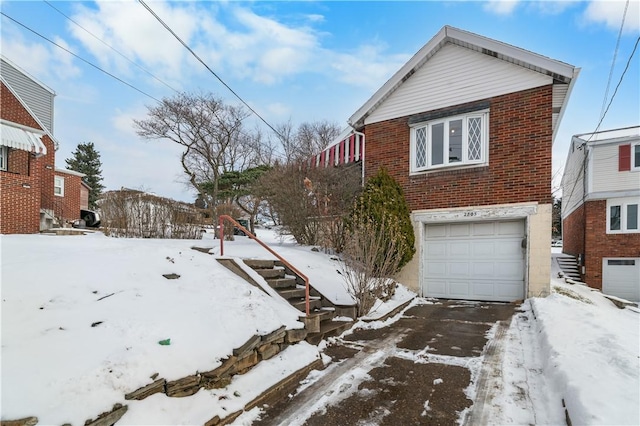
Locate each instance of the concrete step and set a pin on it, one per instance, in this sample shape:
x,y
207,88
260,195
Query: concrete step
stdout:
x,y
259,263
326,313
328,329
291,293
301,305
278,283
271,273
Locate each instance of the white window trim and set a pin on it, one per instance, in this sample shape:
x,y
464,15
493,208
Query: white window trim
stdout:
x,y
484,153
634,167
61,186
4,158
623,216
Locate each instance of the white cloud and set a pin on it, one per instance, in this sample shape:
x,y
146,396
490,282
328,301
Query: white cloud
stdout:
x,y
278,110
501,7
315,17
610,14
367,67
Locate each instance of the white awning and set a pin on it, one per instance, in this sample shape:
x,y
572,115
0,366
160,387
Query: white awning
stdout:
x,y
23,139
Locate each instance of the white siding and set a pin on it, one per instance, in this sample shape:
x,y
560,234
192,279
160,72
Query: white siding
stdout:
x,y
605,176
37,97
455,75
573,179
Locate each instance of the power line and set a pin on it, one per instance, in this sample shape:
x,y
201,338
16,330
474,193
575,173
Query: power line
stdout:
x,y
109,46
615,55
79,57
207,67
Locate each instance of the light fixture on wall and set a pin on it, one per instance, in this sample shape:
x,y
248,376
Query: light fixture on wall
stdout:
x,y
26,185
48,167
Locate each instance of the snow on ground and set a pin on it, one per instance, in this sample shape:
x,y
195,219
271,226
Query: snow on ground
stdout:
x,y
82,317
575,346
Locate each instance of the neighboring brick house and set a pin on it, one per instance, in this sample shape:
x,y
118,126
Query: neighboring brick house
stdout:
x,y
600,201
28,178
482,212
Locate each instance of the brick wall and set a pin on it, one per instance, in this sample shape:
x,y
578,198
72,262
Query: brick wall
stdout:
x,y
21,187
599,244
573,232
68,207
519,169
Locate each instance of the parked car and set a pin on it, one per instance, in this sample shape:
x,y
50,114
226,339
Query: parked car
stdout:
x,y
91,218
556,243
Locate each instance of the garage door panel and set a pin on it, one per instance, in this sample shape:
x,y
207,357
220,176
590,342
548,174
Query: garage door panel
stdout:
x,y
621,278
478,260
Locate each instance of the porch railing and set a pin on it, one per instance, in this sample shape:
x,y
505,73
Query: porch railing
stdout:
x,y
228,218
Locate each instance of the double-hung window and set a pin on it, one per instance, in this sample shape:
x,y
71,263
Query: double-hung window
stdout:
x,y
450,142
622,216
58,186
635,156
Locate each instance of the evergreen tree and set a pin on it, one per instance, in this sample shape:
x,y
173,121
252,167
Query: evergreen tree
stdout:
x,y
87,160
382,204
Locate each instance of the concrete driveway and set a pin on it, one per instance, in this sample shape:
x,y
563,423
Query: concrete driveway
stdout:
x,y
420,369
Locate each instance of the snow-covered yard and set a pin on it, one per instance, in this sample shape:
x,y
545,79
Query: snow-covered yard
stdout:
x,y
82,317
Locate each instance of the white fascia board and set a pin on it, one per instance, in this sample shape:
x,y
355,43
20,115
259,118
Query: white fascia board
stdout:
x,y
541,63
398,78
31,113
551,65
563,107
70,172
32,78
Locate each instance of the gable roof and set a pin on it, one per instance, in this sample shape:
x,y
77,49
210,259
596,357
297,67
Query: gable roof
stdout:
x,y
31,113
560,72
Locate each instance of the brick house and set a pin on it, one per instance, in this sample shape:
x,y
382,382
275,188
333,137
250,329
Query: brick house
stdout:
x,y
34,195
482,211
601,195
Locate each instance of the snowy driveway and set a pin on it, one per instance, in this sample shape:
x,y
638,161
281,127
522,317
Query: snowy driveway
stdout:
x,y
420,369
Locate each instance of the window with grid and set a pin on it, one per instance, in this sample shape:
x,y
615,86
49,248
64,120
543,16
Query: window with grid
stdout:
x,y
450,142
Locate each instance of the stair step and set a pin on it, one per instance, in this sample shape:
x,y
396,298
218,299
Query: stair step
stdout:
x,y
325,313
259,263
291,293
328,329
277,283
301,305
271,273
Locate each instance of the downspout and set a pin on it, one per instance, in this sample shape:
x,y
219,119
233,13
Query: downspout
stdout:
x,y
363,150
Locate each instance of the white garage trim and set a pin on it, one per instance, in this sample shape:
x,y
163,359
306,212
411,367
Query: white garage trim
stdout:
x,y
621,277
513,286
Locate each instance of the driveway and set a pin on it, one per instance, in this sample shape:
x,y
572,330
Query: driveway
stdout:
x,y
421,369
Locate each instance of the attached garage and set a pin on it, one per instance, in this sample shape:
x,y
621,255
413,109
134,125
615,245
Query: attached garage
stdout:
x,y
621,278
474,260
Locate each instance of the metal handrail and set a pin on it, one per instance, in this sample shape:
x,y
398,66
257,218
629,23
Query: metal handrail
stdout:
x,y
224,217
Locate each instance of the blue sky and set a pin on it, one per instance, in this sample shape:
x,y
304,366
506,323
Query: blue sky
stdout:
x,y
303,61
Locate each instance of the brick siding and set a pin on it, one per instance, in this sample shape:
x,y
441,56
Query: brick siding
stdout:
x,y
68,207
519,169
573,232
599,244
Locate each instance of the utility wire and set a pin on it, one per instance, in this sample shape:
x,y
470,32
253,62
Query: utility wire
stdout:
x,y
79,57
613,61
207,67
110,47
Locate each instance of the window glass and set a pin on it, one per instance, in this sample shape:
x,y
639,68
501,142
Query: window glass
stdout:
x,y
3,158
475,138
636,156
421,147
455,141
614,220
58,185
621,262
437,144
632,217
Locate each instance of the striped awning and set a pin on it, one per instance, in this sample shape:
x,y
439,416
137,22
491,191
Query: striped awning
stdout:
x,y
23,139
347,150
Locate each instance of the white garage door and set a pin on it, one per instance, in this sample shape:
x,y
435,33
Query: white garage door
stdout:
x,y
621,278
475,261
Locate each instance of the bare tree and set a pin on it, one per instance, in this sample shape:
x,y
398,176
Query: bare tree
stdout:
x,y
310,138
211,133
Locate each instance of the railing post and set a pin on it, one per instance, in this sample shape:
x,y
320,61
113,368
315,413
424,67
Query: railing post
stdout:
x,y
269,249
221,235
